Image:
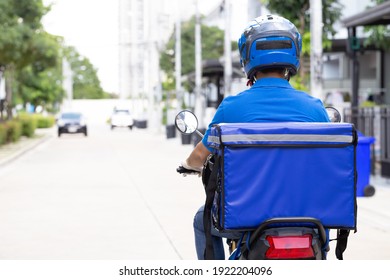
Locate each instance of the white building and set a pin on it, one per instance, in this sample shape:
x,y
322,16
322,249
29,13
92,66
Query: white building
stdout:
x,y
143,26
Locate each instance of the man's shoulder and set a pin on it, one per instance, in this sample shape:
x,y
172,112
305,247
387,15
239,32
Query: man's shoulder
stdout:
x,y
235,99
304,94
242,93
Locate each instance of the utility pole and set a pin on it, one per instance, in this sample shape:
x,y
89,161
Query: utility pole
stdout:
x,y
316,48
67,83
227,50
178,57
254,9
199,104
149,13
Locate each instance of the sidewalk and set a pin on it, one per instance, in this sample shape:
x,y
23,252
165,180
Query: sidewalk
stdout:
x,y
12,151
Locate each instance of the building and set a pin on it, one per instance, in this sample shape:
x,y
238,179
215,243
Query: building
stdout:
x,y
338,63
143,27
375,120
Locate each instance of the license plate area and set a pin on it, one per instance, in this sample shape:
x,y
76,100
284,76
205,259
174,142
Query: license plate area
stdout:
x,y
72,129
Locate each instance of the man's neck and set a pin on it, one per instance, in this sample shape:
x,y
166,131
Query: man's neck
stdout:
x,y
261,75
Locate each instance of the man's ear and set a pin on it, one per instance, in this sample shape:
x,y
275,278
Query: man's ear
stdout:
x,y
287,74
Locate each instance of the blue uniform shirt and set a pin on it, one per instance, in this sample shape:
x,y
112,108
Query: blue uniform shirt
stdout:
x,y
269,100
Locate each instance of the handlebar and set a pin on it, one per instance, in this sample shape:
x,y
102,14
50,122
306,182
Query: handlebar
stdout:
x,y
183,170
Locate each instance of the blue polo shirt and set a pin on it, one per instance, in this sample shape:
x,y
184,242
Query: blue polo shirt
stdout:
x,y
269,100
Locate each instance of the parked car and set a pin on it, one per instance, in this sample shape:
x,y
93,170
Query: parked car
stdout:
x,y
121,118
72,122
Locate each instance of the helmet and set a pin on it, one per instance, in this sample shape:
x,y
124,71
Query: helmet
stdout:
x,y
270,42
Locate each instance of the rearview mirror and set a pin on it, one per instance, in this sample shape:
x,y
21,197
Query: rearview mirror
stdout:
x,y
333,114
186,122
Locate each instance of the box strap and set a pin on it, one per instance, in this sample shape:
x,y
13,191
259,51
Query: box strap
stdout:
x,y
342,240
210,193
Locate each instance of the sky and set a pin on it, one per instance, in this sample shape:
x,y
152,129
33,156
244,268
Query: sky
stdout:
x,y
92,27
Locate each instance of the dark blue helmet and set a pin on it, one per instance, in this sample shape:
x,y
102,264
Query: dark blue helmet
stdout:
x,y
270,42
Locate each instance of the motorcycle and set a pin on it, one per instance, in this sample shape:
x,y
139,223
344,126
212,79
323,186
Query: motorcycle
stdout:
x,y
279,238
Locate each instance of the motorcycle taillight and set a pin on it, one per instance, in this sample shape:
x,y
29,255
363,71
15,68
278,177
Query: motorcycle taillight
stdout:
x,y
289,247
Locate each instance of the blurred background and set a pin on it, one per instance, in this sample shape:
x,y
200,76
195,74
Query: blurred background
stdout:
x,y
146,60
158,57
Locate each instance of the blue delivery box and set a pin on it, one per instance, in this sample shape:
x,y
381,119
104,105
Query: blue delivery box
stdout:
x,y
271,170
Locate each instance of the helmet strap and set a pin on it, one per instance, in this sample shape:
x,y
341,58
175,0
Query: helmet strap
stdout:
x,y
250,82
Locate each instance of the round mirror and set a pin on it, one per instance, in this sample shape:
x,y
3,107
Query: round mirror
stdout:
x,y
333,114
186,122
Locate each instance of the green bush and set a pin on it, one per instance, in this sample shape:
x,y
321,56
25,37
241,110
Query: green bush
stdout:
x,y
13,130
3,133
29,124
24,125
44,121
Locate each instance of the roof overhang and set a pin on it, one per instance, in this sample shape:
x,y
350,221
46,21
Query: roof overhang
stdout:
x,y
340,45
378,15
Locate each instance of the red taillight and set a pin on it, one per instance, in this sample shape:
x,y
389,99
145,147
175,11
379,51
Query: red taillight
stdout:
x,y
289,247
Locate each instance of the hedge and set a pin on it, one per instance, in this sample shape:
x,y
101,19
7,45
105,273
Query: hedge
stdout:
x,y
3,134
44,121
23,125
13,131
29,124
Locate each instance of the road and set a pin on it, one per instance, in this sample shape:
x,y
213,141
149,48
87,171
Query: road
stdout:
x,y
112,195
115,195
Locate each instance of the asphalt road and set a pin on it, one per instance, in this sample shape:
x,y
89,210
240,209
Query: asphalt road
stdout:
x,y
115,195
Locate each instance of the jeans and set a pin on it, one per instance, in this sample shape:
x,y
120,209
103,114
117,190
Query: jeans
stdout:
x,y
200,237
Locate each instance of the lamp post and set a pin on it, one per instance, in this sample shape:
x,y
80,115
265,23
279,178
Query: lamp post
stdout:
x,y
178,57
227,51
199,103
316,48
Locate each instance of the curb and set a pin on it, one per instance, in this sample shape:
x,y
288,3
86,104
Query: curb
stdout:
x,y
10,153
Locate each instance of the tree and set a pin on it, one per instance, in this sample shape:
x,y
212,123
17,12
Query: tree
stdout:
x,y
32,59
23,42
42,88
298,12
20,22
378,36
40,82
86,84
212,48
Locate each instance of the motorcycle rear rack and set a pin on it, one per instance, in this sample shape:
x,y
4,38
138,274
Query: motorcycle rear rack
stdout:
x,y
290,220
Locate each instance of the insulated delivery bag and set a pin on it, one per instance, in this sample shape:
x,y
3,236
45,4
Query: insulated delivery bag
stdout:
x,y
269,170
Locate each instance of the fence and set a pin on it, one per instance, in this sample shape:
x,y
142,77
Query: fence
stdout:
x,y
384,137
374,122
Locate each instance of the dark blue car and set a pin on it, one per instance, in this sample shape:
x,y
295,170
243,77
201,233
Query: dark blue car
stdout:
x,y
72,122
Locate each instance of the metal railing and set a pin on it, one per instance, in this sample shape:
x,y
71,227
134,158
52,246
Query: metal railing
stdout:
x,y
374,122
385,143
364,121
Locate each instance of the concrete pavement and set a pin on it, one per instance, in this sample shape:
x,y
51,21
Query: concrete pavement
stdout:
x,y
111,195
12,151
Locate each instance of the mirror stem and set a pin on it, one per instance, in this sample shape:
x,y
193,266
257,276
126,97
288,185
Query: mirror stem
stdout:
x,y
199,133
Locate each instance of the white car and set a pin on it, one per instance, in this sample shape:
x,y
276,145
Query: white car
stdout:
x,y
121,118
